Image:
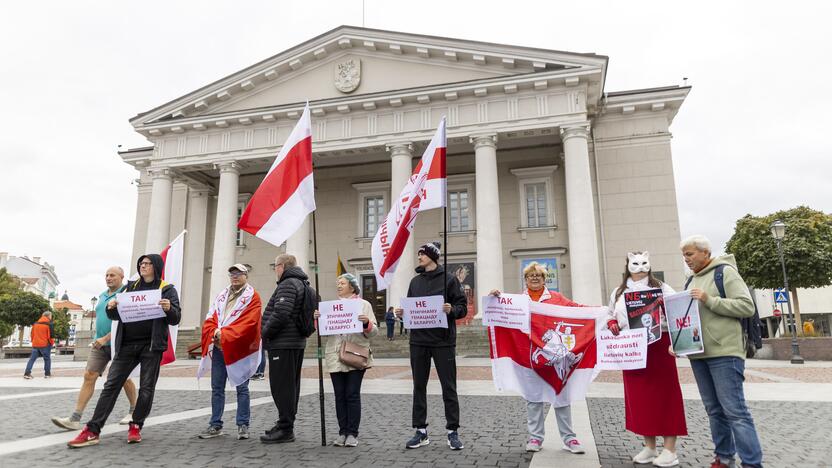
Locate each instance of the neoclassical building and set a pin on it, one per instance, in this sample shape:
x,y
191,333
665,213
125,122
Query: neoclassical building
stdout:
x,y
544,164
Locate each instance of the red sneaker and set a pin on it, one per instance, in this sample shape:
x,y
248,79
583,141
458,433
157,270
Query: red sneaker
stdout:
x,y
134,434
717,463
85,438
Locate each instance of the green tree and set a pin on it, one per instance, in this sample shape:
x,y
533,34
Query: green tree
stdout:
x,y
60,323
6,329
9,283
807,250
22,308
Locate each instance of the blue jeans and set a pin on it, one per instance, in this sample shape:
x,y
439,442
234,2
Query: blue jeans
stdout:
x,y
219,376
262,367
46,354
720,382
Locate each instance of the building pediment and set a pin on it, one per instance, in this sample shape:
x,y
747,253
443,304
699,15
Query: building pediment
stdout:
x,y
352,62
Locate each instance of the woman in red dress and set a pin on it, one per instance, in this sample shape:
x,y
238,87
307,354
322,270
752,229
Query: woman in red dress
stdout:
x,y
652,396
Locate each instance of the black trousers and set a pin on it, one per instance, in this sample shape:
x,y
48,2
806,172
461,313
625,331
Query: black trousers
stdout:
x,y
444,359
284,381
347,386
130,356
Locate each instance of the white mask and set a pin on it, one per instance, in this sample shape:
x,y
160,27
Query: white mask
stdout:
x,y
638,263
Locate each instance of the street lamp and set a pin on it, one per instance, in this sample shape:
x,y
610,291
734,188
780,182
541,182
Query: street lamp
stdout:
x,y
778,231
94,301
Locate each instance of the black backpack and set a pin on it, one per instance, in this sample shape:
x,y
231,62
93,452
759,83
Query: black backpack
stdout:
x,y
305,320
752,335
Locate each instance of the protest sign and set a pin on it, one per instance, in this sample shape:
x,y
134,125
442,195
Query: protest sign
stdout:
x,y
626,351
644,311
683,323
424,312
506,310
339,317
136,306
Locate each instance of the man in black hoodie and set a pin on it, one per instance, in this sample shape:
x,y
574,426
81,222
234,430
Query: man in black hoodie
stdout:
x,y
436,343
285,343
135,343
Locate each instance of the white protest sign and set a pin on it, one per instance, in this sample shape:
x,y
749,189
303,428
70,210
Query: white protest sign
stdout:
x,y
339,317
626,351
424,312
507,311
136,306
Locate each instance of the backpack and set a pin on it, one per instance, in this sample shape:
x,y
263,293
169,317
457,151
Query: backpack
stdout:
x,y
305,320
752,336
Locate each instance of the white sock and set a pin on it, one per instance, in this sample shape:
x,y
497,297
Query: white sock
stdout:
x,y
422,430
450,431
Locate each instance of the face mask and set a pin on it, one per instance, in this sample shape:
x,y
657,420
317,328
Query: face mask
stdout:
x,y
638,263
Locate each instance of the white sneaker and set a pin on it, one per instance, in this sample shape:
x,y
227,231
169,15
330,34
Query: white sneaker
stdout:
x,y
646,455
667,458
339,441
351,441
126,419
66,423
574,446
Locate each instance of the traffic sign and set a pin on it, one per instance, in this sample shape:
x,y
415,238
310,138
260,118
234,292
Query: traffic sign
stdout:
x,y
777,312
781,296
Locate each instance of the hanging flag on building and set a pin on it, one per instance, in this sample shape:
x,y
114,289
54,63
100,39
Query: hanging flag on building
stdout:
x,y
340,269
173,256
424,190
555,362
286,196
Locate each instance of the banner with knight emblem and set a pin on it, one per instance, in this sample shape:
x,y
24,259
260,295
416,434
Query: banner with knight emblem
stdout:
x,y
555,362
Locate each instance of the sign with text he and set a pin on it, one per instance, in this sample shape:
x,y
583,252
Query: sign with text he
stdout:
x,y
627,351
424,312
136,306
339,317
507,311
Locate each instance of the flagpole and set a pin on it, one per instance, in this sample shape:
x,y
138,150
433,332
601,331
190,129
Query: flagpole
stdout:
x,y
445,252
318,333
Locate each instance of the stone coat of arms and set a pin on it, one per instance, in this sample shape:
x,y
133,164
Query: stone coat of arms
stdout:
x,y
348,75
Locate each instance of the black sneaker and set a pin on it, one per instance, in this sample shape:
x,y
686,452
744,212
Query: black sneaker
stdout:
x,y
418,440
453,441
278,437
273,429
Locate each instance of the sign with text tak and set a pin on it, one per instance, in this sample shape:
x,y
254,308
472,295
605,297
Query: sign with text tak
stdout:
x,y
140,305
506,310
340,317
424,312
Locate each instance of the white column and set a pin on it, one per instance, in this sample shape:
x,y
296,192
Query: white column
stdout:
x,y
194,275
580,214
489,266
401,167
158,221
225,232
299,246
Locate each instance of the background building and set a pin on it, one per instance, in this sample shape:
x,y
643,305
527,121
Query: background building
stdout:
x,y
37,277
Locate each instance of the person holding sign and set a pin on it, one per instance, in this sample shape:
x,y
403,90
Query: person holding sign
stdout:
x,y
346,375
535,276
436,343
653,402
140,342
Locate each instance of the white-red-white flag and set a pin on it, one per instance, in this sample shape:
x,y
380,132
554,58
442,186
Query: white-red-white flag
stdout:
x,y
287,194
424,190
555,362
173,256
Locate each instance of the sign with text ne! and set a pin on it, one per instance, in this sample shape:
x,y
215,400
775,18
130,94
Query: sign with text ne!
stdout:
x,y
340,317
507,310
139,305
424,312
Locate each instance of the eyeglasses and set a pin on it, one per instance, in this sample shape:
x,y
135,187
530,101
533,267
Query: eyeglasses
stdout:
x,y
145,263
535,275
236,274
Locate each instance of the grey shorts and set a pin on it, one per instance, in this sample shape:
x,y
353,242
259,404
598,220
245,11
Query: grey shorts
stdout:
x,y
98,360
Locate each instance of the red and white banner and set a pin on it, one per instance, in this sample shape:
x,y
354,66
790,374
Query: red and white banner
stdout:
x,y
555,363
424,190
286,196
239,335
174,256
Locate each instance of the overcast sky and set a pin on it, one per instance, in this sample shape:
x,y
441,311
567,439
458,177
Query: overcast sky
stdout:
x,y
750,138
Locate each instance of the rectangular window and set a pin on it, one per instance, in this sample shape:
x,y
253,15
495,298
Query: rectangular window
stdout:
x,y
458,211
373,214
536,204
239,236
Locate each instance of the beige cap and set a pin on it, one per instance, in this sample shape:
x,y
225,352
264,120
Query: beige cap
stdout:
x,y
239,267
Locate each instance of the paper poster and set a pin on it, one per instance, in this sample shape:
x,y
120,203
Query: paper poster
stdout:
x,y
507,310
340,317
644,310
424,312
627,351
683,323
136,306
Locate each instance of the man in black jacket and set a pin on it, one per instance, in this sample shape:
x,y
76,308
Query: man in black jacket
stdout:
x,y
436,343
136,343
285,344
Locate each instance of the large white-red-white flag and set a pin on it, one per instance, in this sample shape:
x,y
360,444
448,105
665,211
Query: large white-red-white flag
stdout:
x,y
555,362
287,194
173,256
424,190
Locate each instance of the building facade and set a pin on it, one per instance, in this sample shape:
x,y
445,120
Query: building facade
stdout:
x,y
544,164
37,277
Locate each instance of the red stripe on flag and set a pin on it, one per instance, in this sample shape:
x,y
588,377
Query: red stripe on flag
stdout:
x,y
170,354
397,246
437,166
278,186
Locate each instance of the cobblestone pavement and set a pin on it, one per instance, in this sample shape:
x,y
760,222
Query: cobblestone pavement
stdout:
x,y
792,434
493,432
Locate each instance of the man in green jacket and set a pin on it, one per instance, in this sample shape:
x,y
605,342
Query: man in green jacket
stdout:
x,y
719,369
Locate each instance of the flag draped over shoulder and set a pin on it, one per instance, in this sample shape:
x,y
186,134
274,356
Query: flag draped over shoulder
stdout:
x,y
286,196
555,362
240,334
173,256
424,190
